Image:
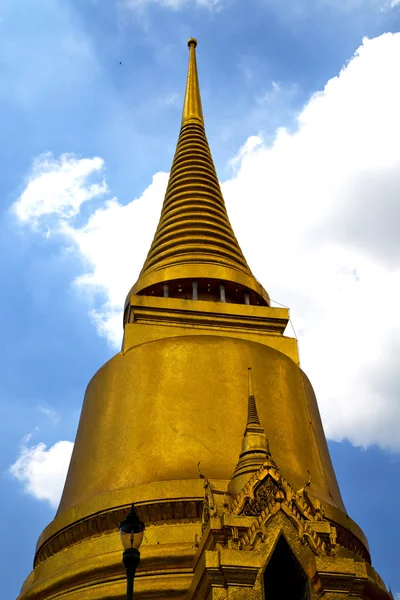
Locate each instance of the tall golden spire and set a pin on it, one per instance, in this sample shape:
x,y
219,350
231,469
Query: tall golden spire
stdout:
x,y
194,238
192,109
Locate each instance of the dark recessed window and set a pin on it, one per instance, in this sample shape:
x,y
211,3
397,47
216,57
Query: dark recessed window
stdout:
x,y
284,578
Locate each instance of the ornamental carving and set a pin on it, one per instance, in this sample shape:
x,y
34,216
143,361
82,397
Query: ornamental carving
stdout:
x,y
267,493
209,505
263,494
266,485
258,531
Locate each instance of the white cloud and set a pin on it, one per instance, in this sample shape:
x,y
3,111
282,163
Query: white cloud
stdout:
x,y
27,438
316,213
323,203
59,186
113,245
50,413
173,4
301,10
42,470
271,94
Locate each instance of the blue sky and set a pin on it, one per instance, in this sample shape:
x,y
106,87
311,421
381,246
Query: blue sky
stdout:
x,y
302,119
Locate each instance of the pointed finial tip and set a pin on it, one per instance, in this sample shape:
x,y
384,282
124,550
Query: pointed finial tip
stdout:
x,y
192,42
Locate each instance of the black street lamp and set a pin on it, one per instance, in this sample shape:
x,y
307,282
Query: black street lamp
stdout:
x,y
131,531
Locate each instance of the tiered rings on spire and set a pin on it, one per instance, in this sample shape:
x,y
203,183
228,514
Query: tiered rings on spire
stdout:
x,y
194,240
194,224
252,414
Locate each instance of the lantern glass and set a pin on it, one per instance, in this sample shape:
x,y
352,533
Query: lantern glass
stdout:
x,y
131,539
131,530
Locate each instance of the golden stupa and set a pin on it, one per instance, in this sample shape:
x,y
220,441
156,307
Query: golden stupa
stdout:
x,y
239,496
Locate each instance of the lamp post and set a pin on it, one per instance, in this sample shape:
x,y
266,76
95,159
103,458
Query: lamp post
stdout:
x,y
131,530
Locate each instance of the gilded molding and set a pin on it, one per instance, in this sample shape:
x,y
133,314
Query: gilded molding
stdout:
x,y
173,312
157,513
